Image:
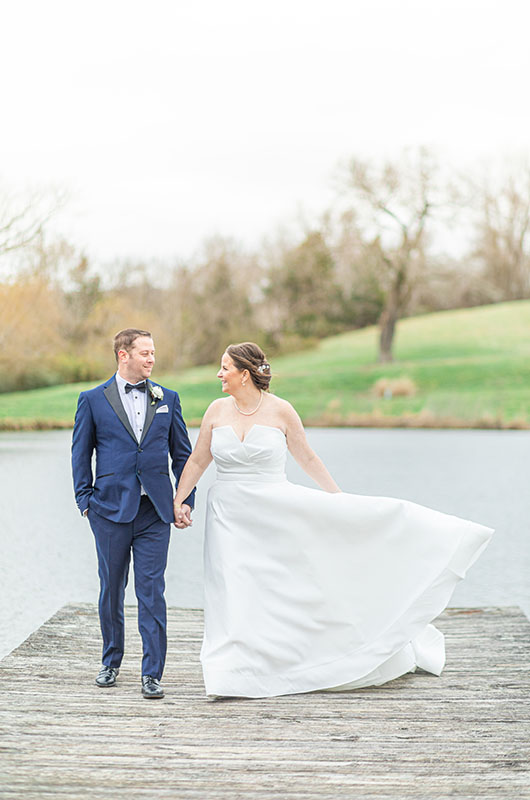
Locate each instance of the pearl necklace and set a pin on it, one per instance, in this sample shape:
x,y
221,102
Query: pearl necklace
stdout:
x,y
248,413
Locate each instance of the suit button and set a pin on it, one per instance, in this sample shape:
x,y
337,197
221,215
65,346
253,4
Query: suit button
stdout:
x,y
139,472
140,450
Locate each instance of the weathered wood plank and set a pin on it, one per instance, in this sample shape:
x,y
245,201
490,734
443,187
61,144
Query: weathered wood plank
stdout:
x,y
464,735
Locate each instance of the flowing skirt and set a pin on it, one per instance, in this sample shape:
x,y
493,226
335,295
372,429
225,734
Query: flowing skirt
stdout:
x,y
306,590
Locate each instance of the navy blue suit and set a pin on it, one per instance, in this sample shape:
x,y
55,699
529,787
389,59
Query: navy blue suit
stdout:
x,y
122,520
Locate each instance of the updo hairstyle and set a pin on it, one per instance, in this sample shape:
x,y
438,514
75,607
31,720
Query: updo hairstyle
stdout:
x,y
248,355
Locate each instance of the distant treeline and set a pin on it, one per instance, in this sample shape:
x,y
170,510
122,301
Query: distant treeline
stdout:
x,y
374,258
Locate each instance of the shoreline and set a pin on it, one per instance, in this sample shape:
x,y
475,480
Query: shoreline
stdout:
x,y
326,420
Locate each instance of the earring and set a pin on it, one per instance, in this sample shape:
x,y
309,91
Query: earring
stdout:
x,y
243,383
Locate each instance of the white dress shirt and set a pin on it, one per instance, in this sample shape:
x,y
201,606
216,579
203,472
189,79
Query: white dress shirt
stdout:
x,y
135,405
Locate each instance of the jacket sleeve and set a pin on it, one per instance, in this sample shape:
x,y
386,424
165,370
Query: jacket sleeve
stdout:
x,y
83,443
179,446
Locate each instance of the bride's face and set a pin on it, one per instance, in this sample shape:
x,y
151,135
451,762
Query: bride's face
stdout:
x,y
229,375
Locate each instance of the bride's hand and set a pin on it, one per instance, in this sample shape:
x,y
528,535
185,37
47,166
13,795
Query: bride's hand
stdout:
x,y
182,516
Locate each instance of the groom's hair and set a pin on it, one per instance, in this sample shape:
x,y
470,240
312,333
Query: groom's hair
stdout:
x,y
125,339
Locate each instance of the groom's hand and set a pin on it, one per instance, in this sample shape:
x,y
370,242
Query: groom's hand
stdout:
x,y
183,516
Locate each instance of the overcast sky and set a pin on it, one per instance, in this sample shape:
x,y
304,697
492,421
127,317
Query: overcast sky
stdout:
x,y
168,122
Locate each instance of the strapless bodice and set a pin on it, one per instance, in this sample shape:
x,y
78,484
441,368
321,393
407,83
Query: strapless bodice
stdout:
x,y
260,456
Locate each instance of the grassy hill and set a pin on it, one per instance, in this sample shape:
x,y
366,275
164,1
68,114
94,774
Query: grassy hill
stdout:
x,y
465,368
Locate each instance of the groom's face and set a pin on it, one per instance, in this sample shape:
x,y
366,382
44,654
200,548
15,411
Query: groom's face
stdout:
x,y
137,364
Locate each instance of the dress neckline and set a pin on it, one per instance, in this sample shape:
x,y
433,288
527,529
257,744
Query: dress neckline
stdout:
x,y
255,425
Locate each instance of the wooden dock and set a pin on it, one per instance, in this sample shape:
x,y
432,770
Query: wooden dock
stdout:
x,y
464,735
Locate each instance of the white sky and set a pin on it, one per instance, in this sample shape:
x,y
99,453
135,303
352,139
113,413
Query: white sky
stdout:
x,y
172,121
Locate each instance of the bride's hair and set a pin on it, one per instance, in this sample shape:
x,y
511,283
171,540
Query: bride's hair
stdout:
x,y
248,355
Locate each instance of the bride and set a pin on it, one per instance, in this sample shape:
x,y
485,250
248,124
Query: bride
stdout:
x,y
308,589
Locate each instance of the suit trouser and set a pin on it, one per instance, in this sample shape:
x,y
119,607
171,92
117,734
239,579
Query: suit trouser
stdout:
x,y
147,537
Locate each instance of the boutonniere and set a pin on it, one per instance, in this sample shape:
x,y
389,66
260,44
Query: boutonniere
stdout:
x,y
156,393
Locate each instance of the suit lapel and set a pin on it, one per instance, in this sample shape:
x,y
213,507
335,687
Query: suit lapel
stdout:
x,y
113,396
149,414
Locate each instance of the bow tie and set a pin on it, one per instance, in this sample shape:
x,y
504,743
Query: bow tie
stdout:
x,y
140,386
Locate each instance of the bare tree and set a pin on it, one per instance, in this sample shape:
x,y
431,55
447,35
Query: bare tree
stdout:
x,y
24,216
393,204
503,240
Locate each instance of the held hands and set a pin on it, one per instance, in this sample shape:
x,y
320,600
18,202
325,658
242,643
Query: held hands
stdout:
x,y
182,515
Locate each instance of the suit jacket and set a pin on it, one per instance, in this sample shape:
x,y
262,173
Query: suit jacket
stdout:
x,y
101,424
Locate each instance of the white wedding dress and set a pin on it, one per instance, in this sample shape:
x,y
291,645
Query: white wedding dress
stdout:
x,y
307,590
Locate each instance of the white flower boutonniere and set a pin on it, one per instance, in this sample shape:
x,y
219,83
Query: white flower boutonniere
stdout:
x,y
156,393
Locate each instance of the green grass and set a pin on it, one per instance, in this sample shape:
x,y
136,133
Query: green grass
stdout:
x,y
471,367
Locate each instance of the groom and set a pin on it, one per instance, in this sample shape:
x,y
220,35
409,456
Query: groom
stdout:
x,y
132,424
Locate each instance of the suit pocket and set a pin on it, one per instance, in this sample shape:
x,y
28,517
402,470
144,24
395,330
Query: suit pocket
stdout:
x,y
164,473
106,475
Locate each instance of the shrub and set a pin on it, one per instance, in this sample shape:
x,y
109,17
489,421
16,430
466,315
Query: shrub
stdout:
x,y
395,387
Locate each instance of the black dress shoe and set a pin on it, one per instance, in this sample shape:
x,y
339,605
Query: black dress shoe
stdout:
x,y
151,688
107,677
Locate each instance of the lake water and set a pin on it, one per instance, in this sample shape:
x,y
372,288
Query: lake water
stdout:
x,y
48,556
